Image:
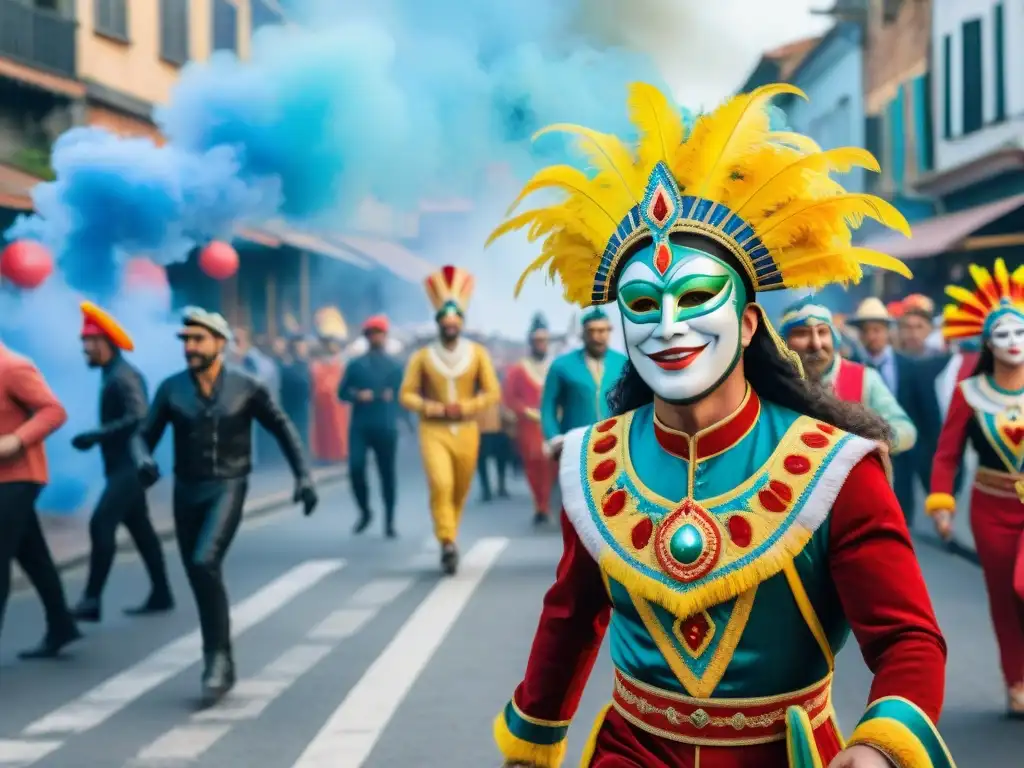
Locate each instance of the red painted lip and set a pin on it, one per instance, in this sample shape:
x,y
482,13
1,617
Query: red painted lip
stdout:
x,y
1014,350
676,358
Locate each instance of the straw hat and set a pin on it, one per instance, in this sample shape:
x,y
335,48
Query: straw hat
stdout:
x,y
871,310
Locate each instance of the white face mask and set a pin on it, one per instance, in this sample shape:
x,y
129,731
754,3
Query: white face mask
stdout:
x,y
1007,339
682,329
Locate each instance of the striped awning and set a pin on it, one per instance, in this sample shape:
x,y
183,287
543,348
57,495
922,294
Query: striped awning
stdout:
x,y
393,256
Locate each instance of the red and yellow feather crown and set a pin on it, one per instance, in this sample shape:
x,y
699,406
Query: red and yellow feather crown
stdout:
x,y
996,294
450,288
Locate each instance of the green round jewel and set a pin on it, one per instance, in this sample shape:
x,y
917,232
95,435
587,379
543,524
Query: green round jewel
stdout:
x,y
687,544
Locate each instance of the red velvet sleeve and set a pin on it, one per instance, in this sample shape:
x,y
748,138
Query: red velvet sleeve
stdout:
x,y
512,391
950,450
883,593
572,626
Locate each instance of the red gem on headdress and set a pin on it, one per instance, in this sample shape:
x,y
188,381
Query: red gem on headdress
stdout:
x,y
662,259
660,210
449,273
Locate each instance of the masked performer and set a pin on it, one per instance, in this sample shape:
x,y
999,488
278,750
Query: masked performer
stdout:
x,y
809,331
523,387
725,526
578,382
987,412
210,408
123,402
448,383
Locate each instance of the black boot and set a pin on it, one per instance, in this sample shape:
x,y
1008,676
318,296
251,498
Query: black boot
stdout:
x,y
54,642
449,558
540,519
389,525
218,678
363,523
88,609
159,601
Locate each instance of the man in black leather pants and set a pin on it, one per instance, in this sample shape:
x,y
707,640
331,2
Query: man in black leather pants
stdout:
x,y
210,408
122,409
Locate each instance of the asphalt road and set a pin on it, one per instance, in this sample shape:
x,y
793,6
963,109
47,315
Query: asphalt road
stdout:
x,y
353,652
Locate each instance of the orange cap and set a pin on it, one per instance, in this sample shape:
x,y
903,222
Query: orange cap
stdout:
x,y
96,322
376,323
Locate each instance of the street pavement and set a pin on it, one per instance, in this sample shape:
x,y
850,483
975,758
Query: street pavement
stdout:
x,y
353,652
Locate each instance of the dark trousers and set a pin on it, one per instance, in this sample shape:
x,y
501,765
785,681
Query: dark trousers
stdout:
x,y
384,444
124,501
21,539
207,514
496,446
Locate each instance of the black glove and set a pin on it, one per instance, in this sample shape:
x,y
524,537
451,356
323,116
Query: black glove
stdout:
x,y
148,471
305,494
84,441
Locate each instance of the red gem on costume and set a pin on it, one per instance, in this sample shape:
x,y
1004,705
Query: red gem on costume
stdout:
x,y
694,631
1014,433
781,490
814,440
604,426
605,444
771,502
641,534
449,273
660,210
796,464
828,429
614,503
662,259
604,470
740,531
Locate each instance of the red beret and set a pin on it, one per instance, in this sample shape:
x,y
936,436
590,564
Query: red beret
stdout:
x,y
376,323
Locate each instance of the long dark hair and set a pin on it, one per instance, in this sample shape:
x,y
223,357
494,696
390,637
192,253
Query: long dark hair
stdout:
x,y
771,375
986,362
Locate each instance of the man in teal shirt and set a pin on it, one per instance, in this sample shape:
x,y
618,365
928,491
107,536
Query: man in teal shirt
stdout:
x,y
577,385
809,331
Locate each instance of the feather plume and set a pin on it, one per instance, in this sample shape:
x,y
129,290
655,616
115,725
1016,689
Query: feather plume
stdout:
x,y
804,144
660,126
607,154
852,207
571,180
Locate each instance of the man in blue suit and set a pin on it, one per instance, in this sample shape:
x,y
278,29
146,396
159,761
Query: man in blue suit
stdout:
x,y
577,385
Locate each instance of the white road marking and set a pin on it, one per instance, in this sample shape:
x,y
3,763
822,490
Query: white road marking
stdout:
x,y
108,698
251,697
15,754
351,732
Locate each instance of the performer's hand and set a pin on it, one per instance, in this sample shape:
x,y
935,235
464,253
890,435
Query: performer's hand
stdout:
x,y
364,395
387,395
10,445
433,410
148,471
83,442
860,756
305,494
943,520
553,447
453,411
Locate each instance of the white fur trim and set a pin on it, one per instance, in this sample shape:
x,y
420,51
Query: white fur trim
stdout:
x,y
981,396
573,484
826,488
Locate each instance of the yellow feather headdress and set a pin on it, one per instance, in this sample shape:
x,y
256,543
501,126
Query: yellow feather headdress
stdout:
x,y
764,195
450,288
996,294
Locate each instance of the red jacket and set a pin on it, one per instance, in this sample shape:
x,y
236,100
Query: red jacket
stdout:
x,y
30,410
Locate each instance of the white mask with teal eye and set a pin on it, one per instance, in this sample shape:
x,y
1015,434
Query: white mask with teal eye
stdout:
x,y
681,320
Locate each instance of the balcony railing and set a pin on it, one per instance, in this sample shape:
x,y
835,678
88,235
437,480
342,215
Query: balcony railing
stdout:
x,y
37,38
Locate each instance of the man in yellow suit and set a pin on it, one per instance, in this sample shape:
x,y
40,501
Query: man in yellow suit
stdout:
x,y
448,383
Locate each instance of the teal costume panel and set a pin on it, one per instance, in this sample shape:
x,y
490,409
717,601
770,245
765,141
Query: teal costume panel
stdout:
x,y
572,398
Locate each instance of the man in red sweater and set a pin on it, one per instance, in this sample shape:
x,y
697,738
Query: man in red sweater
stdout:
x,y
29,413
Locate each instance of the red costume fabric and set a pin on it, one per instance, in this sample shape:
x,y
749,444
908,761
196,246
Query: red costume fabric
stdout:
x,y
888,610
329,431
997,522
522,393
849,381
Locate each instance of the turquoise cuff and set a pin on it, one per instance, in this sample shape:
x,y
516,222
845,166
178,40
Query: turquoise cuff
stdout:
x,y
526,739
900,730
525,728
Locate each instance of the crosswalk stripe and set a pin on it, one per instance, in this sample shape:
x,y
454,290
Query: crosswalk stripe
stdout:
x,y
251,697
21,753
351,732
114,694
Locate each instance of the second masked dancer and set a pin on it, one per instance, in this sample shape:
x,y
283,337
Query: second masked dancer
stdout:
x,y
447,384
210,408
724,527
987,412
524,384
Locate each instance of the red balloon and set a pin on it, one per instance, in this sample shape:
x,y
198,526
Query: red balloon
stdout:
x,y
219,260
26,264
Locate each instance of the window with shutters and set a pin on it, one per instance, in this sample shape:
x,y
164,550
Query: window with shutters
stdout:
x,y
1000,45
874,133
923,137
973,85
110,19
896,139
947,87
174,31
225,26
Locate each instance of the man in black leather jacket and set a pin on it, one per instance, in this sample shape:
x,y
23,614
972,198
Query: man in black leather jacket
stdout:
x,y
122,408
210,408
